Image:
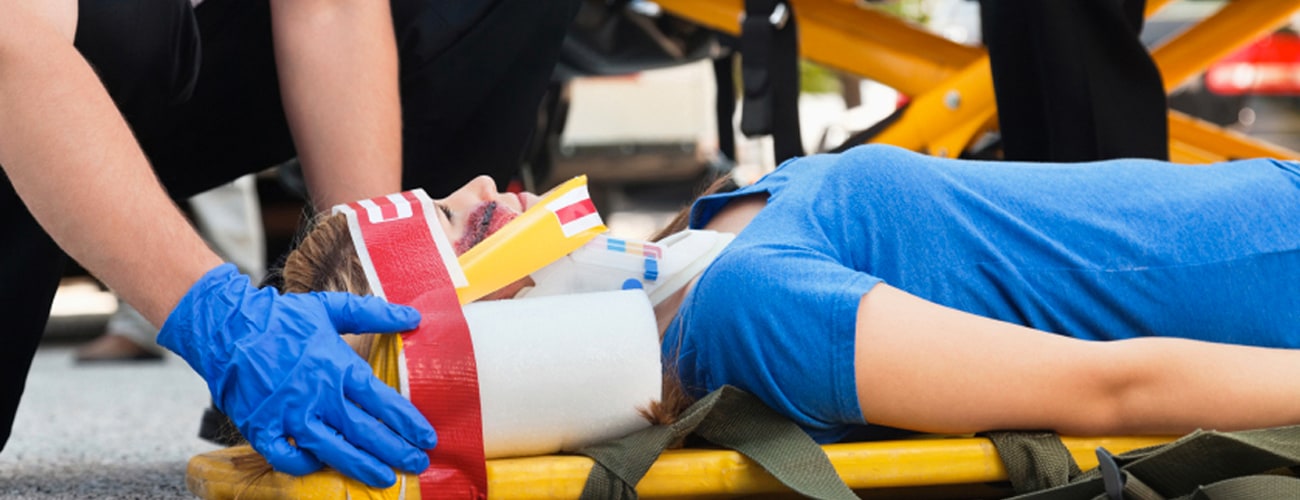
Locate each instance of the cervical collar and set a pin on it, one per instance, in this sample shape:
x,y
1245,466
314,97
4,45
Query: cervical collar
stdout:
x,y
607,263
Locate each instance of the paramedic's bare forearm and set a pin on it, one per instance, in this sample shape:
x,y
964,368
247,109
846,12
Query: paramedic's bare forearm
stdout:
x,y
74,162
337,63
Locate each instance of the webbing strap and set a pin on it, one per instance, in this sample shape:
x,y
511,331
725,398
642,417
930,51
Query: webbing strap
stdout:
x,y
408,260
1135,489
728,417
724,104
1178,469
1034,460
1249,488
769,47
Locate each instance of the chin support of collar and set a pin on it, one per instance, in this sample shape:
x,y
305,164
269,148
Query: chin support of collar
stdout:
x,y
608,263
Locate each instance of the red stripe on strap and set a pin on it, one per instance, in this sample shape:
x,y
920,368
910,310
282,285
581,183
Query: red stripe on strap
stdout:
x,y
575,211
443,377
388,211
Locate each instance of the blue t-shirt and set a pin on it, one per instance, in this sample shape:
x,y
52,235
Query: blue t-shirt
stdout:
x,y
1105,250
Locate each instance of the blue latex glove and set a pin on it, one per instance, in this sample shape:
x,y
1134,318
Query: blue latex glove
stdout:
x,y
277,367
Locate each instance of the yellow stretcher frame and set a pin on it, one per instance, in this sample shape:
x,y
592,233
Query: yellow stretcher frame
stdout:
x,y
901,467
951,85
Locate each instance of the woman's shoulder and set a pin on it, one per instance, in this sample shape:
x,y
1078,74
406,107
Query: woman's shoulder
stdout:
x,y
809,172
869,162
871,173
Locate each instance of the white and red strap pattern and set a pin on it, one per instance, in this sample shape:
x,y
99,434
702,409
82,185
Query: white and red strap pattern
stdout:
x,y
408,260
398,207
575,211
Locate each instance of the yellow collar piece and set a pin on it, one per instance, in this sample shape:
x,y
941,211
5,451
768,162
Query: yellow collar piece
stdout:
x,y
560,223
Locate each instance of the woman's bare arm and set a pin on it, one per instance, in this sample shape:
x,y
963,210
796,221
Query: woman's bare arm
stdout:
x,y
337,62
926,367
73,161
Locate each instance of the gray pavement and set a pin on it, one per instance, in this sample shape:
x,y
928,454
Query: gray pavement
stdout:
x,y
107,431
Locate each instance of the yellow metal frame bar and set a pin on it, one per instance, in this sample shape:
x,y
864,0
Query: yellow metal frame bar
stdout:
x,y
951,85
858,40
1234,26
921,462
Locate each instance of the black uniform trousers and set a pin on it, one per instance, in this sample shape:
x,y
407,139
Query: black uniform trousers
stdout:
x,y
1073,81
199,89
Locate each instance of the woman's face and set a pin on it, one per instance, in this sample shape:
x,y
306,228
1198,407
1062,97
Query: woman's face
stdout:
x,y
477,210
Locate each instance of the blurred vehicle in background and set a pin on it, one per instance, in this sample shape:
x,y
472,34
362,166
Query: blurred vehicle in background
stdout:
x,y
631,100
1265,76
648,125
1256,90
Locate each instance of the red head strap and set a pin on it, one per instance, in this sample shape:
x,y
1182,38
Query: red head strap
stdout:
x,y
408,260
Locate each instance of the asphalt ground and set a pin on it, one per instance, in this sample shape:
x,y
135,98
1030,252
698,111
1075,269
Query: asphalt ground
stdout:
x,y
122,430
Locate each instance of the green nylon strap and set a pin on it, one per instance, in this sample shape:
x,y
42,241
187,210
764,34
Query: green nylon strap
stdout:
x,y
1249,488
1178,469
1034,460
727,417
1135,489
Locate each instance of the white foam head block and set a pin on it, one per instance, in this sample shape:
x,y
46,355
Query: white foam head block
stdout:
x,y
561,372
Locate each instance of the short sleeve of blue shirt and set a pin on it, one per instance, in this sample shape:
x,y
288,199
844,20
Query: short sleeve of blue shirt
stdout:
x,y
754,300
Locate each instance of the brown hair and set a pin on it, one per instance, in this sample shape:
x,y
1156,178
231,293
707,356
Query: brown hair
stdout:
x,y
325,260
674,399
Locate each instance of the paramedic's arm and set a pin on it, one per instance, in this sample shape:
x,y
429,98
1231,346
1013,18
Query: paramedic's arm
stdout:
x,y
73,161
927,367
337,62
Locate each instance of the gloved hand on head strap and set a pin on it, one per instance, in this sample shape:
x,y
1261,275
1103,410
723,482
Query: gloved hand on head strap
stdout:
x,y
277,367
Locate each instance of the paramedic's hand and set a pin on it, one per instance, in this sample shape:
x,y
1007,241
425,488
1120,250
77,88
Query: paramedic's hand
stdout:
x,y
277,367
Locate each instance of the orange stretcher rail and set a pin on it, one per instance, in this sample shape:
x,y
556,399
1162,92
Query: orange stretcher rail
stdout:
x,y
950,83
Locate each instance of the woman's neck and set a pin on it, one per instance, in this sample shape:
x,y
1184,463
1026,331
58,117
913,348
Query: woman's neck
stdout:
x,y
732,218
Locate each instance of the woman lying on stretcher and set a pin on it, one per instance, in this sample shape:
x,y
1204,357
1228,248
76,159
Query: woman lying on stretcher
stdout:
x,y
879,287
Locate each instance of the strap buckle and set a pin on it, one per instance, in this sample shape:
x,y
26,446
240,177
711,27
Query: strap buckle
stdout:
x,y
1112,477
778,18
